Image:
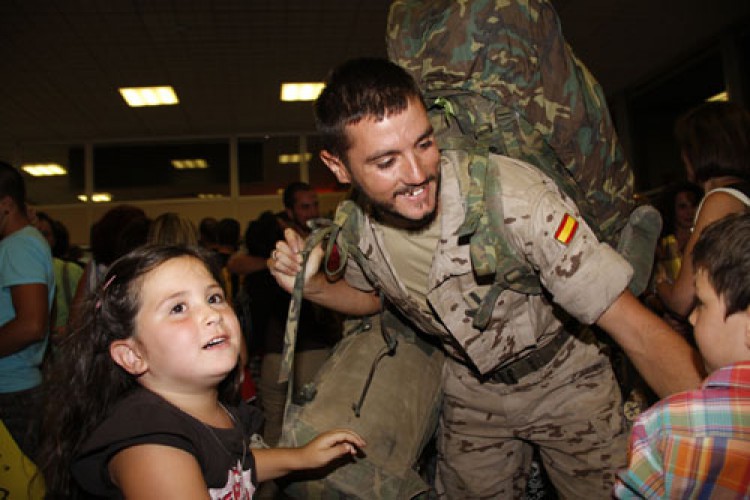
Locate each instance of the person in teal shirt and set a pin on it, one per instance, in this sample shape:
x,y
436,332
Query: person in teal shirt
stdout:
x,y
27,290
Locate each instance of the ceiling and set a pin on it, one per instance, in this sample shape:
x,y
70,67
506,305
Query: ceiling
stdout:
x,y
61,61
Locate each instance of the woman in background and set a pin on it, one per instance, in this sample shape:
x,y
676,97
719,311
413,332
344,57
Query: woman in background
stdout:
x,y
714,139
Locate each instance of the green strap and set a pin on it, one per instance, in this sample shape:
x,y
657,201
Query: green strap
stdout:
x,y
491,254
341,235
295,306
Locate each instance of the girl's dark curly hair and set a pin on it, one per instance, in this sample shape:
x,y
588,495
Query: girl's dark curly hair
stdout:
x,y
84,382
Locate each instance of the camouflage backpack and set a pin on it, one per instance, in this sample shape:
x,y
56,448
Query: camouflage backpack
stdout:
x,y
498,78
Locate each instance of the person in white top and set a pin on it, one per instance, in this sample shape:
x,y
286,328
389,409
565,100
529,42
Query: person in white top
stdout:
x,y
714,139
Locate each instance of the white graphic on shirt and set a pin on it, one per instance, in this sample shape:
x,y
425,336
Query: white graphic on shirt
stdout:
x,y
239,485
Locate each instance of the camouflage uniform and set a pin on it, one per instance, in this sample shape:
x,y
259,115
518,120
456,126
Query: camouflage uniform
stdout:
x,y
571,405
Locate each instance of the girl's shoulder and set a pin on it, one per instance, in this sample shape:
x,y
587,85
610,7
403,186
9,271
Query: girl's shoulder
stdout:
x,y
720,202
140,412
739,192
141,417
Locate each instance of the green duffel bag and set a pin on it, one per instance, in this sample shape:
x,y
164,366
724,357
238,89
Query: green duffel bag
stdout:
x,y
384,382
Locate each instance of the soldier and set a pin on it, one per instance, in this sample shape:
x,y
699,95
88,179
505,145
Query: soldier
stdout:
x,y
525,378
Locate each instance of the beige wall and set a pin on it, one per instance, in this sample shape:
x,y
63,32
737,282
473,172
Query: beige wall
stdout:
x,y
79,218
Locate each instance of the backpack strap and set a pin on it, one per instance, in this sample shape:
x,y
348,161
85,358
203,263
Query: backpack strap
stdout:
x,y
340,239
491,254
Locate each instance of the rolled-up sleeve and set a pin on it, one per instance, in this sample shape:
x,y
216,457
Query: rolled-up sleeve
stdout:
x,y
584,275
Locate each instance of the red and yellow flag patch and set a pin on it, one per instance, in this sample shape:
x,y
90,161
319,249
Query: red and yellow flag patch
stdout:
x,y
567,229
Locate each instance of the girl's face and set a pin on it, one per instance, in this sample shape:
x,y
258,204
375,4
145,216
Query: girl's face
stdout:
x,y
186,333
684,209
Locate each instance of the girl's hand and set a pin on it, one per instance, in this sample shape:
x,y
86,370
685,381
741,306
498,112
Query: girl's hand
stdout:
x,y
331,445
326,447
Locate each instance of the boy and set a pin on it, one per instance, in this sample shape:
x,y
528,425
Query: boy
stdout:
x,y
697,443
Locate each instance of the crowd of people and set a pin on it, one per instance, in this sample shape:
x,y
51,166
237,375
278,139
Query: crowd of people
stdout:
x,y
153,367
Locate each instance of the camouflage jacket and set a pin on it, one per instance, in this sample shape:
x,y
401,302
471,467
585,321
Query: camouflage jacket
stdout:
x,y
543,225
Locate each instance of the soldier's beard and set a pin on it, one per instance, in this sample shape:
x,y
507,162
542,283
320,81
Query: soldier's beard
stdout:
x,y
385,213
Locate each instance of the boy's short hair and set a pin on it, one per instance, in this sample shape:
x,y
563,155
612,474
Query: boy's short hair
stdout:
x,y
360,88
723,252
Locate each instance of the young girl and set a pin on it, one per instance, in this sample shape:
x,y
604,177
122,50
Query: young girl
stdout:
x,y
143,403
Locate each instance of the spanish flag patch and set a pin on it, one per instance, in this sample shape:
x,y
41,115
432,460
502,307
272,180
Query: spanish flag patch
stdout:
x,y
567,229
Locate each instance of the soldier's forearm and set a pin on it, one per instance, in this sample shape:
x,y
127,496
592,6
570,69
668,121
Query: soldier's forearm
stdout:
x,y
663,358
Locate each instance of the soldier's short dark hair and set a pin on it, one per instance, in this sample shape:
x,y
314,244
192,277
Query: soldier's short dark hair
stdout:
x,y
723,252
715,139
364,87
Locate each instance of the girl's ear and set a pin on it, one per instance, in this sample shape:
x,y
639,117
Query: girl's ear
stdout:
x,y
126,354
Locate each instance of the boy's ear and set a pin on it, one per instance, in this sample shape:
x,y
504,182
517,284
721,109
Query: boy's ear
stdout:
x,y
747,330
336,166
126,354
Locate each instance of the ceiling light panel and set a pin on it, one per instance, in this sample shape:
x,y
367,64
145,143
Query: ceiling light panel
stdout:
x,y
190,164
44,169
96,197
149,96
294,158
301,91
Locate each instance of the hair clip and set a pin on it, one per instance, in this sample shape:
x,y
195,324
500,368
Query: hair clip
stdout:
x,y
106,284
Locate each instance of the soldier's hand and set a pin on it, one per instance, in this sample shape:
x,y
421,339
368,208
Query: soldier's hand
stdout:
x,y
286,260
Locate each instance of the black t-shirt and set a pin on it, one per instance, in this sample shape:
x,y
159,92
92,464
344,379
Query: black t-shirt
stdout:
x,y
143,417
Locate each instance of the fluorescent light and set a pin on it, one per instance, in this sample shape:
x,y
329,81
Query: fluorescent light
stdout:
x,y
301,91
721,96
96,197
209,196
294,158
149,96
191,163
44,169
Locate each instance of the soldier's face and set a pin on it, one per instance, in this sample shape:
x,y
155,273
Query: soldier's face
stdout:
x,y
393,162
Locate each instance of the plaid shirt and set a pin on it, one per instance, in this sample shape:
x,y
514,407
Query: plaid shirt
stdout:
x,y
694,444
